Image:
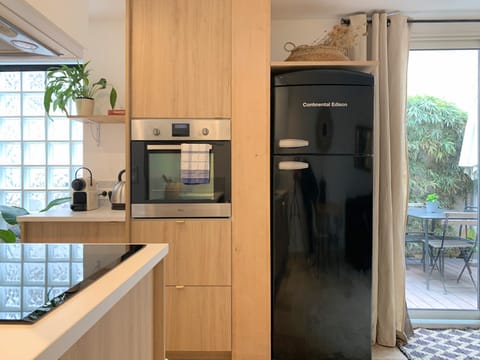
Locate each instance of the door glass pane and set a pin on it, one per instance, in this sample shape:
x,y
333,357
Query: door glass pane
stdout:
x,y
442,135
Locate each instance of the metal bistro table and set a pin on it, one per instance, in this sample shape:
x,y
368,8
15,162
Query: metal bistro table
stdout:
x,y
426,216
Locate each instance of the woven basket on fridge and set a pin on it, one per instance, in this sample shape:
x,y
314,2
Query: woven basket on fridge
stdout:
x,y
314,52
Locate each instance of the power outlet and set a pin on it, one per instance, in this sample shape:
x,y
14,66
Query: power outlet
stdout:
x,y
105,185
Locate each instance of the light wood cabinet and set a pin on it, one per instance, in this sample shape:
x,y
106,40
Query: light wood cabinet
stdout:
x,y
198,318
201,59
73,232
199,250
198,279
180,58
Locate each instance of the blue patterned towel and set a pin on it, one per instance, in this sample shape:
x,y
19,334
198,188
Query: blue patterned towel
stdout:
x,y
195,163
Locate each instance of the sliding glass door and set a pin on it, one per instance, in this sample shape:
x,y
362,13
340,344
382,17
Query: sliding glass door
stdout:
x,y
442,137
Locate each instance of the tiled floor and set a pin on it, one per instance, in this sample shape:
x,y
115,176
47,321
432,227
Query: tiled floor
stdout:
x,y
386,353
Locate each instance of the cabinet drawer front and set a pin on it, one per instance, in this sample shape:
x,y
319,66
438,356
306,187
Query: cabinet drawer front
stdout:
x,y
203,253
200,251
198,318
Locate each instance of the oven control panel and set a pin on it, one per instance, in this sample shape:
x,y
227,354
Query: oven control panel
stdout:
x,y
181,129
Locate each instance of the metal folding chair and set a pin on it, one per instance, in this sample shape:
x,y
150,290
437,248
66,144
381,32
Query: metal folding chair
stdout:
x,y
438,246
414,236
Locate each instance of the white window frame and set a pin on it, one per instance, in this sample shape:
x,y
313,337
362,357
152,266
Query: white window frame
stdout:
x,y
50,193
446,36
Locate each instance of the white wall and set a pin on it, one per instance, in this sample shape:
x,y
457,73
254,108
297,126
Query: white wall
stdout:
x,y
69,15
298,31
106,51
422,36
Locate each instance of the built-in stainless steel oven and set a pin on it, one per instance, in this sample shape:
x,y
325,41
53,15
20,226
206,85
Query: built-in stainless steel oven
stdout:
x,y
180,168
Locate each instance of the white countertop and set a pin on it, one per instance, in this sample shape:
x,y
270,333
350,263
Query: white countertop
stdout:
x,y
53,335
102,214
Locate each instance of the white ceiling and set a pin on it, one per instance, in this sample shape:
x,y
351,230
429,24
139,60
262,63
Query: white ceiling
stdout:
x,y
294,9
426,9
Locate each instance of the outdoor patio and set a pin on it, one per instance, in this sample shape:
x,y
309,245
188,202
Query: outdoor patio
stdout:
x,y
460,295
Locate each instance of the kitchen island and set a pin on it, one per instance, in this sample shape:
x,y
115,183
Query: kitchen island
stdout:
x,y
112,317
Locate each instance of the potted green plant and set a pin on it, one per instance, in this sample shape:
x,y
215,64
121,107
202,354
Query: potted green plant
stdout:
x,y
10,213
67,83
431,202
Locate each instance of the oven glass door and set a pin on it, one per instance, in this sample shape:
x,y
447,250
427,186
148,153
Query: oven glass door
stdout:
x,y
165,183
157,175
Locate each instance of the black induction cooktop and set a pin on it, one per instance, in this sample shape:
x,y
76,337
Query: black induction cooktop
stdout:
x,y
37,278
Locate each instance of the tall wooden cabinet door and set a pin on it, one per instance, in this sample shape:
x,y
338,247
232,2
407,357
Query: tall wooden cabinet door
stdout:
x,y
199,250
180,58
198,318
158,231
203,253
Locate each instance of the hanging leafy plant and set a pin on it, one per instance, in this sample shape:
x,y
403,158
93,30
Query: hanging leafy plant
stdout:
x,y
10,213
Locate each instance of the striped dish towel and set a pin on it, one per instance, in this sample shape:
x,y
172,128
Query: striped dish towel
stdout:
x,y
195,163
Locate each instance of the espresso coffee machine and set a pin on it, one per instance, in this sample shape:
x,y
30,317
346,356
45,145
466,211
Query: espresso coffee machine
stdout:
x,y
84,192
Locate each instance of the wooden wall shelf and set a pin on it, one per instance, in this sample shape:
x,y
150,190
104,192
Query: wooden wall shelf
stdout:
x,y
279,67
100,119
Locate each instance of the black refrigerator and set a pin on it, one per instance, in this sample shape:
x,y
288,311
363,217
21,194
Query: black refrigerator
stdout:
x,y
322,166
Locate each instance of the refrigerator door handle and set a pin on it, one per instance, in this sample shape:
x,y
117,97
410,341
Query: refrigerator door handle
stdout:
x,y
292,165
292,143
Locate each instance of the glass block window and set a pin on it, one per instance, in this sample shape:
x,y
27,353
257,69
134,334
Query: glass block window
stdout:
x,y
38,155
35,273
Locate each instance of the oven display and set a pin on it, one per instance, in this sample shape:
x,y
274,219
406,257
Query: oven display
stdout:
x,y
180,129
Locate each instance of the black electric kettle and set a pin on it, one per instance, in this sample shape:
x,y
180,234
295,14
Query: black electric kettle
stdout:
x,y
117,195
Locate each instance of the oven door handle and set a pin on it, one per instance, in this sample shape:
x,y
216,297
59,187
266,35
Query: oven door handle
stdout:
x,y
163,147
